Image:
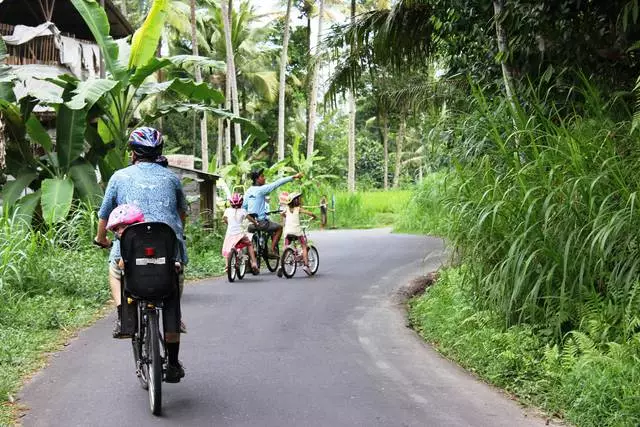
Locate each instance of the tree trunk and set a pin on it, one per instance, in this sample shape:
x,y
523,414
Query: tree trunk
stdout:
x,y
227,11
399,143
351,142
219,147
313,100
384,130
227,123
283,82
204,140
503,48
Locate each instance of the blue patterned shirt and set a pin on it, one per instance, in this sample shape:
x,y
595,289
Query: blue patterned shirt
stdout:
x,y
155,190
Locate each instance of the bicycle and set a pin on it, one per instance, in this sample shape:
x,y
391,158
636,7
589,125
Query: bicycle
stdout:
x,y
149,276
292,255
261,244
238,261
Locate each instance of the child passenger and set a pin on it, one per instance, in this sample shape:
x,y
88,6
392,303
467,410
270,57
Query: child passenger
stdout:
x,y
292,225
233,217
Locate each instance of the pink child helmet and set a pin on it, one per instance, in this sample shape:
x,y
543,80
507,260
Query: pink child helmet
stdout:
x,y
236,200
124,215
283,198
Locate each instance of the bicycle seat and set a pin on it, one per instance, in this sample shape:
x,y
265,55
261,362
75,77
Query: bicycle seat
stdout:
x,y
149,251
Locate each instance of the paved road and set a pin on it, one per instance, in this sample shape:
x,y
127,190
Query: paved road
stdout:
x,y
327,351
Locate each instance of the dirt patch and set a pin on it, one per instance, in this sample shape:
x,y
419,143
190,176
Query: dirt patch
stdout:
x,y
416,286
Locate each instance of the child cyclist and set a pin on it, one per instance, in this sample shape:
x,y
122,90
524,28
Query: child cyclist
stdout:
x,y
233,217
292,225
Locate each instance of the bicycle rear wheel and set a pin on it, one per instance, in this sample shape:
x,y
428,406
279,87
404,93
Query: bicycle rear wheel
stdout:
x,y
272,263
232,264
155,363
139,357
242,262
289,263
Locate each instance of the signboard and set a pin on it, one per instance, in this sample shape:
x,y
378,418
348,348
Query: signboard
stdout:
x,y
181,160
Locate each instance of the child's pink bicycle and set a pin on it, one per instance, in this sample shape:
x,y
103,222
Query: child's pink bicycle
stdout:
x,y
292,255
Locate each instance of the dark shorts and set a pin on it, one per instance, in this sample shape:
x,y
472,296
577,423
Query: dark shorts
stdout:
x,y
171,313
266,225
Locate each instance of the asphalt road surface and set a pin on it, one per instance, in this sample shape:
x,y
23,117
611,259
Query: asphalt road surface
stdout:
x,y
331,350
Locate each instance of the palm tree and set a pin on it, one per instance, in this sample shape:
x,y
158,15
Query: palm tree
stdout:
x,y
351,143
204,143
313,99
281,87
227,10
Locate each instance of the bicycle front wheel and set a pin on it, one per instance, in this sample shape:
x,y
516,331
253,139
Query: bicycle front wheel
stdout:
x,y
155,363
314,259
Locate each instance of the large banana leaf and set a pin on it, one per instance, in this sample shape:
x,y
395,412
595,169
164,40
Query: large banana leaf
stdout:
x,y
156,64
145,40
185,87
86,182
56,197
70,135
38,134
89,92
25,206
251,126
96,19
12,189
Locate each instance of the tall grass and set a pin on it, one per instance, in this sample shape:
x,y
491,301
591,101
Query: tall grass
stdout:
x,y
425,213
586,382
547,211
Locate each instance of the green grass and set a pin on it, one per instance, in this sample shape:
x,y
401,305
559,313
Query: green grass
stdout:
x,y
53,283
369,209
587,381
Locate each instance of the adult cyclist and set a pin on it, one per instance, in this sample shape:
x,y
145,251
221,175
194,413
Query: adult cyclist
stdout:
x,y
157,191
255,204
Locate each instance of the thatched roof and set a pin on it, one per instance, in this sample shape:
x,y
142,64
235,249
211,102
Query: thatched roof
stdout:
x,y
65,17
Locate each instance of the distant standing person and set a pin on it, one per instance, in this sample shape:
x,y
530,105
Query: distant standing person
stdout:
x,y
255,204
323,212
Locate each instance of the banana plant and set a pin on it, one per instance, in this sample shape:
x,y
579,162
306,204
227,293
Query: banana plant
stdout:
x,y
94,117
307,164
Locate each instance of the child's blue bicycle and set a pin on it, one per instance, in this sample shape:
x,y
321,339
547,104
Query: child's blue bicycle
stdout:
x,y
292,255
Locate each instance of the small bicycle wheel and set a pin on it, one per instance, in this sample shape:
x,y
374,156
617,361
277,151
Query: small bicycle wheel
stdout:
x,y
241,263
272,263
155,363
314,259
289,263
256,247
232,265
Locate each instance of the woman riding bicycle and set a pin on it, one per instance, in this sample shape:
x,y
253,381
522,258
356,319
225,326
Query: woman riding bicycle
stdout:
x,y
158,193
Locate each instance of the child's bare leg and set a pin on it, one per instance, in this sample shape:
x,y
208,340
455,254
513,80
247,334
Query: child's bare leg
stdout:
x,y
252,256
305,254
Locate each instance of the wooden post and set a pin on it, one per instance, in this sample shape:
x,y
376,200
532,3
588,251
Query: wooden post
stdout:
x,y
206,202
